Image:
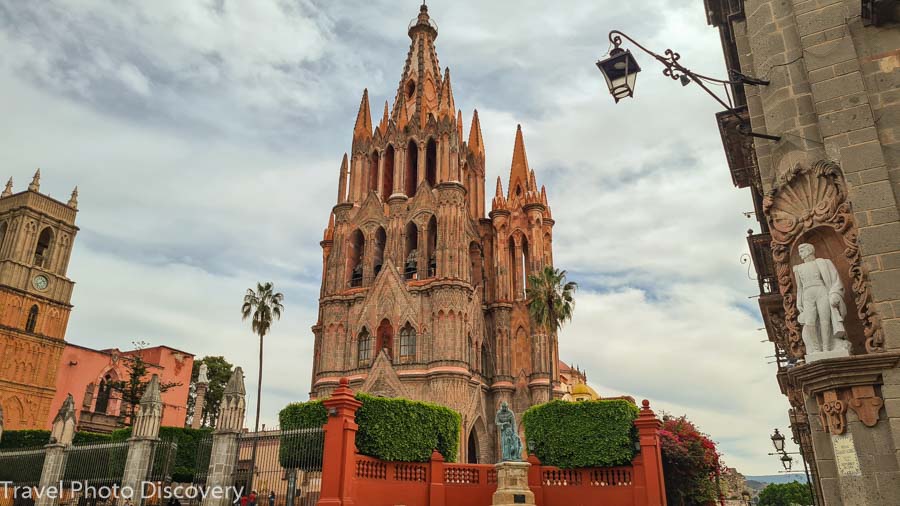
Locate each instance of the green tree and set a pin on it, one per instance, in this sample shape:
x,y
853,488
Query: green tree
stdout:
x,y
133,388
219,372
262,307
551,299
785,494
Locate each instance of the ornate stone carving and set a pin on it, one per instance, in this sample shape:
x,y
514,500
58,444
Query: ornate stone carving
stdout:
x,y
833,411
866,404
802,199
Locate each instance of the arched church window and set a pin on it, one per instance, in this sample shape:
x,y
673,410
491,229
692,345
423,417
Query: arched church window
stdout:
x,y
42,250
431,162
355,258
3,228
372,176
364,348
485,361
385,339
380,240
32,319
432,247
103,395
412,168
410,251
410,89
407,343
387,178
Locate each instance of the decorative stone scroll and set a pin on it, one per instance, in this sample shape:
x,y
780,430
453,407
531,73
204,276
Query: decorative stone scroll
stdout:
x,y
807,198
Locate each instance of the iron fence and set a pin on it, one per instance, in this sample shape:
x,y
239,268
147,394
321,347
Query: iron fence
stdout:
x,y
22,468
288,468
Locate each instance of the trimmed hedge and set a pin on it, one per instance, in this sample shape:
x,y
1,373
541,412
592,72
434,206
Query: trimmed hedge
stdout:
x,y
186,457
389,429
25,439
302,415
582,434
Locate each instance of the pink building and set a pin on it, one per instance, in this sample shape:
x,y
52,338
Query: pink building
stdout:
x,y
86,374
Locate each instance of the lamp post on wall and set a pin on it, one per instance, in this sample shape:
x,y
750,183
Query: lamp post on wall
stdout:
x,y
786,459
620,69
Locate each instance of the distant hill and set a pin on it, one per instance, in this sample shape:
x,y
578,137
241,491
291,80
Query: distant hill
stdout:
x,y
778,478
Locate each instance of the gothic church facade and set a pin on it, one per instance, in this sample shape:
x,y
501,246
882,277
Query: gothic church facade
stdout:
x,y
423,295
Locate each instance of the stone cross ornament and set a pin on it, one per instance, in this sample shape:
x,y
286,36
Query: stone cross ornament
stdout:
x,y
510,443
820,302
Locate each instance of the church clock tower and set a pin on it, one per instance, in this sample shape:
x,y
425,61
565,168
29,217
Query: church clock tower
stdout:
x,y
36,236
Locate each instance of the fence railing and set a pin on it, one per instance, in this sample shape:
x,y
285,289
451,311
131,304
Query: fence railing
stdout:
x,y
288,465
22,467
95,464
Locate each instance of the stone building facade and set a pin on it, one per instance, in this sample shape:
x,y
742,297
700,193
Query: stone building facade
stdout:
x,y
423,293
831,178
36,237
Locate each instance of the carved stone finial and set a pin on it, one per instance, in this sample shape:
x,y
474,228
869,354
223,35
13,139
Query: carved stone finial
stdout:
x,y
35,182
8,191
63,430
149,416
233,405
73,200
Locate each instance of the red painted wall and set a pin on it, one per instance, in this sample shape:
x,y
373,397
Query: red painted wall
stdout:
x,y
80,366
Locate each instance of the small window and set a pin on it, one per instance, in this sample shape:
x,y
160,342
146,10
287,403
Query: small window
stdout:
x,y
410,88
32,319
407,343
365,348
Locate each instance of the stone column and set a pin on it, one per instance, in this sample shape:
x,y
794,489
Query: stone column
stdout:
x,y
200,400
224,452
142,443
340,447
61,435
651,455
1,423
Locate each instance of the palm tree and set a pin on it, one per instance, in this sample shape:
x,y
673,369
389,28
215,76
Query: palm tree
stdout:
x,y
550,298
262,307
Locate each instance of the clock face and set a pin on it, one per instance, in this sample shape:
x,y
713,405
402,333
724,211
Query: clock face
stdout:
x,y
40,282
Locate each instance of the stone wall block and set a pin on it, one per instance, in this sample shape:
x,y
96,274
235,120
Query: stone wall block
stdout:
x,y
838,86
880,239
829,53
861,156
870,196
820,19
885,286
847,120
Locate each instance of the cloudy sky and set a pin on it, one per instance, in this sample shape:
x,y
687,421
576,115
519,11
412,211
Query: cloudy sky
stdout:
x,y
205,138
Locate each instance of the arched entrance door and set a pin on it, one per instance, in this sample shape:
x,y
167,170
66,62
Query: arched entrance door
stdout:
x,y
472,452
385,339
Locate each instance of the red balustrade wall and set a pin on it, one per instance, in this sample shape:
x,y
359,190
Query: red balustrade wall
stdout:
x,y
352,479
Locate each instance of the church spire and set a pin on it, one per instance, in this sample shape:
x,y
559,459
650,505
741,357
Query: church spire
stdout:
x,y
342,181
73,200
459,124
384,119
363,128
476,143
8,190
421,82
446,106
518,171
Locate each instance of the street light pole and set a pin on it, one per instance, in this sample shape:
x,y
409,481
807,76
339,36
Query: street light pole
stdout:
x,y
620,70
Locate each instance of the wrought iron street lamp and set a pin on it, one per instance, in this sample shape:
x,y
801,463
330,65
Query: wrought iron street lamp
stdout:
x,y
620,70
778,441
786,461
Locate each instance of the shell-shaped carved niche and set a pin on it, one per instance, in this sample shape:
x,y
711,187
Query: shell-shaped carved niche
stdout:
x,y
809,204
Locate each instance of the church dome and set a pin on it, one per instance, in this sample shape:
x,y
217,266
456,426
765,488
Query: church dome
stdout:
x,y
585,390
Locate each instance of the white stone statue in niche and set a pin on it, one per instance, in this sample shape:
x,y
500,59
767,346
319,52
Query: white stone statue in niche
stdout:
x,y
820,301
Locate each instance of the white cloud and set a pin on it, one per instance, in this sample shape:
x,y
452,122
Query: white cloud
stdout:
x,y
205,137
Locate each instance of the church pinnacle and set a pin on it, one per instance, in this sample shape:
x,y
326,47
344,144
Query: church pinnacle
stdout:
x,y
519,172
363,128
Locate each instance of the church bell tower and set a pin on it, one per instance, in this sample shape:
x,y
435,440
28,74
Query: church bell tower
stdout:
x,y
36,237
422,295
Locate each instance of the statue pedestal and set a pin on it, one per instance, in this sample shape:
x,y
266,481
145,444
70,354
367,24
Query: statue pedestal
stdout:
x,y
822,355
512,484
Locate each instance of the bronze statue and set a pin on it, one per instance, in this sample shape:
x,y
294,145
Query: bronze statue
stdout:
x,y
510,444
